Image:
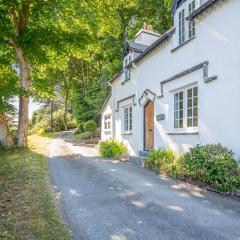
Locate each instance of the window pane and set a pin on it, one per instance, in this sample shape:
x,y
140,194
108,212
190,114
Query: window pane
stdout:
x,y
195,122
195,112
180,123
195,91
189,112
192,106
178,110
189,102
189,93
195,101
189,122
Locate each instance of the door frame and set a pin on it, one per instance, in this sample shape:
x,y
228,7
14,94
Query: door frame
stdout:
x,y
144,125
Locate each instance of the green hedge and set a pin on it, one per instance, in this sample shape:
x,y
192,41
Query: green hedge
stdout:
x,y
212,164
112,148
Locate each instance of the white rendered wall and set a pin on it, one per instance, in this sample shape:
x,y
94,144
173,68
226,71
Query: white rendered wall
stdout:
x,y
107,134
216,41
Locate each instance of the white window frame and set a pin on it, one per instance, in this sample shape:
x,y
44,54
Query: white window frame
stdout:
x,y
126,61
127,119
181,27
191,23
185,127
107,121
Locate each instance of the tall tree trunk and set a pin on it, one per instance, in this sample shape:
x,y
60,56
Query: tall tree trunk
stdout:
x,y
5,136
25,84
66,104
51,115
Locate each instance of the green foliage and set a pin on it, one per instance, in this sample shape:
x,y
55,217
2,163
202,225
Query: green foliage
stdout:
x,y
112,148
81,127
41,121
71,125
212,164
8,87
90,126
160,159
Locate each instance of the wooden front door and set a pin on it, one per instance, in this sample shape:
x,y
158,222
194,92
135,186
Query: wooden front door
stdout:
x,y
149,126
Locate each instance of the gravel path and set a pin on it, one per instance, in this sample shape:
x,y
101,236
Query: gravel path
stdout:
x,y
106,199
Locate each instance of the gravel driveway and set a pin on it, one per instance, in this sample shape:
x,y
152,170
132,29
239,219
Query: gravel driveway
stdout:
x,y
103,199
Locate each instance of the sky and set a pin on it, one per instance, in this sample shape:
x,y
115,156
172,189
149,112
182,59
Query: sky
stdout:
x,y
32,106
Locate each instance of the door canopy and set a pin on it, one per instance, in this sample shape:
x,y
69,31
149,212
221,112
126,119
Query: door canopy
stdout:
x,y
147,96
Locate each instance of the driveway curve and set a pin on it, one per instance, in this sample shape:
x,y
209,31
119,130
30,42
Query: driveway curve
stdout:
x,y
103,199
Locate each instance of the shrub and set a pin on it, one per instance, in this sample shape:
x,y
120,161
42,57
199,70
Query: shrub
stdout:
x,y
161,159
212,164
112,148
71,125
90,126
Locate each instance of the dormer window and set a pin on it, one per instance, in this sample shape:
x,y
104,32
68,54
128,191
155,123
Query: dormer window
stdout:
x,y
127,60
191,24
181,26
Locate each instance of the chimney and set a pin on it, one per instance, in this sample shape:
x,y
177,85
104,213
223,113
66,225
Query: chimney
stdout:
x,y
146,35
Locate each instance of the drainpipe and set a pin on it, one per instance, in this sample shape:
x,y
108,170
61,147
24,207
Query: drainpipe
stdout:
x,y
138,123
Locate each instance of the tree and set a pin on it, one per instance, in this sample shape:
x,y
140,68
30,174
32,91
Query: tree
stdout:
x,y
37,31
8,89
90,126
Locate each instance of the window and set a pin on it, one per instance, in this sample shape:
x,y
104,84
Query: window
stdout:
x,y
181,27
107,122
192,107
186,108
191,24
127,60
178,110
127,119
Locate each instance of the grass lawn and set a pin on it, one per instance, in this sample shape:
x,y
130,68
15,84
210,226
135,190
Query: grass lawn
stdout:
x,y
27,209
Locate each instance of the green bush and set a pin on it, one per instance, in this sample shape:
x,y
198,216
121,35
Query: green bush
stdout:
x,y
112,148
161,159
71,125
212,164
90,126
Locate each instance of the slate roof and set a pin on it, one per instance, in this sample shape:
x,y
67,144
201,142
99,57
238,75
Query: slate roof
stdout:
x,y
176,5
137,46
105,103
169,33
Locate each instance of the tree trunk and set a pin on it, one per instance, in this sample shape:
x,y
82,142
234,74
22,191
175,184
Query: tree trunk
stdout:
x,y
66,105
5,136
25,84
51,115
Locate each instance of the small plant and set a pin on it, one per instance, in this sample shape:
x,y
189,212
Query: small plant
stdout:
x,y
212,164
160,159
90,126
112,148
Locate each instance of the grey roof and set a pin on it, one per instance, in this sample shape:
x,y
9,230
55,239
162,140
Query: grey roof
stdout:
x,y
105,103
203,8
176,5
149,49
137,46
157,43
115,76
169,33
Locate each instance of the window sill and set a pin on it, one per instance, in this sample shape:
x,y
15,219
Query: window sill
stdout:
x,y
107,131
126,134
183,133
182,44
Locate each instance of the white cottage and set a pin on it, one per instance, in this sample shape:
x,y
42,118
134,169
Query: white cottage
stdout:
x,y
181,88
